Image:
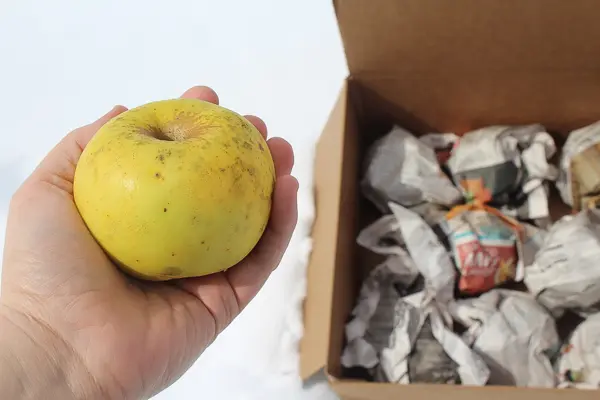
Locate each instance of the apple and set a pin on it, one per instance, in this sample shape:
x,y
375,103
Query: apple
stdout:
x,y
176,188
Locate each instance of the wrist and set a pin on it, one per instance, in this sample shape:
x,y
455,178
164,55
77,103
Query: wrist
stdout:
x,y
36,364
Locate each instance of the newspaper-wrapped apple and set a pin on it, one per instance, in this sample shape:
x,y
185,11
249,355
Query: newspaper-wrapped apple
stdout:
x,y
579,178
579,362
405,170
565,274
514,334
506,167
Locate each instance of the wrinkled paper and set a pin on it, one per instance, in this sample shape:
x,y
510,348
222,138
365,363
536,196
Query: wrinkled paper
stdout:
x,y
439,141
489,248
419,346
566,271
532,239
429,362
514,334
405,170
579,363
579,177
429,254
382,236
507,167
484,248
372,319
486,251
442,143
423,349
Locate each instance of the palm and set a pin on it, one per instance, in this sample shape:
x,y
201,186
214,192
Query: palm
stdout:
x,y
134,337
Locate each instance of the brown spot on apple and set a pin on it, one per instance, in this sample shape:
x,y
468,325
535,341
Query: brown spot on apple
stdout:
x,y
245,123
163,155
171,272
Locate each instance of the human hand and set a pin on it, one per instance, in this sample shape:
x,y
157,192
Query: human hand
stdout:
x,y
107,335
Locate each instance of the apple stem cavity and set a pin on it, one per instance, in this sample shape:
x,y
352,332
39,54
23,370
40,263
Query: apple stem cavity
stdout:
x,y
172,133
159,134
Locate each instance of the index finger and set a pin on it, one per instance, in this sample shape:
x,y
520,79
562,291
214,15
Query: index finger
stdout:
x,y
201,93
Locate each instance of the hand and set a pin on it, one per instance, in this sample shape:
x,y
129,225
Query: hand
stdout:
x,y
121,338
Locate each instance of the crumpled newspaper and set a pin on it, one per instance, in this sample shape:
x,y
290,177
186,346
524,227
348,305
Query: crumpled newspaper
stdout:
x,y
441,143
423,349
429,254
514,334
566,271
488,247
507,167
372,319
579,362
405,170
579,177
382,236
484,246
419,345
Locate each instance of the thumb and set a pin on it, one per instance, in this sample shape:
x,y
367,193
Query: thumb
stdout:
x,y
58,167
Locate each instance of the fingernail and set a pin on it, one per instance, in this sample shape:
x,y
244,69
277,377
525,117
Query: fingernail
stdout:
x,y
111,111
119,107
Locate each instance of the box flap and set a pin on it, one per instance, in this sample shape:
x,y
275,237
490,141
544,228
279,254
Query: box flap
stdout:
x,y
462,64
394,37
314,347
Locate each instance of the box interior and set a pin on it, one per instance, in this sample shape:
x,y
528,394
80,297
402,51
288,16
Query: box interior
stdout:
x,y
369,116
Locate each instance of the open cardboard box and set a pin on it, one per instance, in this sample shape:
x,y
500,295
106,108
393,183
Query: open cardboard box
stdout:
x,y
435,66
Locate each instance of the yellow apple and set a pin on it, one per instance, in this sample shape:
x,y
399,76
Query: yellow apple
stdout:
x,y
176,188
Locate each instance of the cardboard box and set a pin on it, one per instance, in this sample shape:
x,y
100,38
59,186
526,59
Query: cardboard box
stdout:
x,y
435,66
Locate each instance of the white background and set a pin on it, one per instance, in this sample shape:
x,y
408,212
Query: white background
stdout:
x,y
64,63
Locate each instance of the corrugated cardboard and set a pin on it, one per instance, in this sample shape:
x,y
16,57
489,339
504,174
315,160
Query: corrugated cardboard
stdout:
x,y
435,65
